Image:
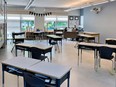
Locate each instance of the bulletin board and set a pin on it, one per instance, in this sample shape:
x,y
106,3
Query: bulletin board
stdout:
x,y
73,20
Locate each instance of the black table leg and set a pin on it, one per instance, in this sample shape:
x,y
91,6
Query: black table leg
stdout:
x,y
15,50
57,82
68,82
3,75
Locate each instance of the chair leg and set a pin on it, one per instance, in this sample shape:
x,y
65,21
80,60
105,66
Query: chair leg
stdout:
x,y
76,44
55,47
48,59
17,81
99,62
58,48
113,65
12,48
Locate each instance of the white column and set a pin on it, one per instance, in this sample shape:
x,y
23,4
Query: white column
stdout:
x,y
39,22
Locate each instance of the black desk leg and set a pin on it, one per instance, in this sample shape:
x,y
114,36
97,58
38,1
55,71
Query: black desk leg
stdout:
x,y
96,60
51,56
78,56
15,50
61,45
3,75
81,56
57,82
115,63
68,83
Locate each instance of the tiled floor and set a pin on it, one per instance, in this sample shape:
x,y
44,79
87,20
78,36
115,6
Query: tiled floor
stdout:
x,y
83,75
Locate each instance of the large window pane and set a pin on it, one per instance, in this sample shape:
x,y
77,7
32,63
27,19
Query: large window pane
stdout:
x,y
27,22
13,24
61,24
50,25
56,22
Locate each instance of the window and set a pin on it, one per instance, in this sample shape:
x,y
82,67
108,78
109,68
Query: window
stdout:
x,y
13,24
56,22
17,23
62,22
27,22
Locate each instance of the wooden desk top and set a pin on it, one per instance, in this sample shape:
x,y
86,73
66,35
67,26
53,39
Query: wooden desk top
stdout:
x,y
92,33
19,38
40,46
88,36
49,69
54,36
110,39
38,32
96,45
21,62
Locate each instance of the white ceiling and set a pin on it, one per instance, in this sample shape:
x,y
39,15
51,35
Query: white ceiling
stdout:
x,y
54,3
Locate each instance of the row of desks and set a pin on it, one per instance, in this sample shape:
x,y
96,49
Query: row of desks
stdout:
x,y
58,72
44,48
93,34
94,47
27,47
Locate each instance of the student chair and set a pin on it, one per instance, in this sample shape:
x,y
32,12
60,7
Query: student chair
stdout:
x,y
105,53
37,80
37,54
16,41
31,80
54,43
14,71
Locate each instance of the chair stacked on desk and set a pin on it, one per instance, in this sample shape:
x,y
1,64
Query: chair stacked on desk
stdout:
x,y
106,53
54,43
17,40
37,54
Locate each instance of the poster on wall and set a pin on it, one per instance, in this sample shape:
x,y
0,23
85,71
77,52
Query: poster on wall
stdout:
x,y
73,20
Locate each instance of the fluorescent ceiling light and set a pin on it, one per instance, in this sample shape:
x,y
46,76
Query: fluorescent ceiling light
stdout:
x,y
75,8
13,18
27,18
29,4
87,5
71,9
100,3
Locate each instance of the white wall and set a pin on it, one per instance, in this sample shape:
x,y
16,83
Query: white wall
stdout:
x,y
104,22
39,22
74,13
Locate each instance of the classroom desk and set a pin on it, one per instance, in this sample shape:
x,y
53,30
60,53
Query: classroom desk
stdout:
x,y
111,41
19,39
27,46
20,63
39,34
93,34
55,71
58,72
55,38
94,47
59,33
87,37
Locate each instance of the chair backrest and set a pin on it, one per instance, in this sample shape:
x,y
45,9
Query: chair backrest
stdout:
x,y
13,37
52,42
20,40
105,52
35,52
70,34
113,42
31,80
29,35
